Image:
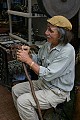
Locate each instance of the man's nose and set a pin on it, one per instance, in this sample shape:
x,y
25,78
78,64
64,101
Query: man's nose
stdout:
x,y
46,32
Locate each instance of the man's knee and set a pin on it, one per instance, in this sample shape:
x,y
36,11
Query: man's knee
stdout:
x,y
13,88
23,101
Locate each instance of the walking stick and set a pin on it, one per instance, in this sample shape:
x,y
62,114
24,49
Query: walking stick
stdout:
x,y
33,92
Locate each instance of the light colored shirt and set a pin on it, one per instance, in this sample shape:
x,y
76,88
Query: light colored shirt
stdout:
x,y
57,66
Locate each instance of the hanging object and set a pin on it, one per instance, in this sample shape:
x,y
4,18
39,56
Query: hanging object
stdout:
x,y
79,25
67,8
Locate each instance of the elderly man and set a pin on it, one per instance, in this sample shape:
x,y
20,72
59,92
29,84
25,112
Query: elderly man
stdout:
x,y
55,68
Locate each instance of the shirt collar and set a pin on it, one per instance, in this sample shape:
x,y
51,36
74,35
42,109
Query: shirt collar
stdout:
x,y
58,47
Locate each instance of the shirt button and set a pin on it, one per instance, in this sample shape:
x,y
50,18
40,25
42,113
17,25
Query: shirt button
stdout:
x,y
59,92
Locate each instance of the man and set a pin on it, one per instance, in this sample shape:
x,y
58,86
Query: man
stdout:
x,y
55,67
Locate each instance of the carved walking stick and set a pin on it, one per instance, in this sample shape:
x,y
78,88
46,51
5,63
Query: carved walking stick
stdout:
x,y
33,92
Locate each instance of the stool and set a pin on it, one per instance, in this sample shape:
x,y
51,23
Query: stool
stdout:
x,y
57,111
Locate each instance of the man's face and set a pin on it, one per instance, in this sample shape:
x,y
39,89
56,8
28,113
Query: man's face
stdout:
x,y
52,34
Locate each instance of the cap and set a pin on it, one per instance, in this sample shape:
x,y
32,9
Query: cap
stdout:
x,y
60,21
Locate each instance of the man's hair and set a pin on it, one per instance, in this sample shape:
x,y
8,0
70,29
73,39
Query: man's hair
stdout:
x,y
66,35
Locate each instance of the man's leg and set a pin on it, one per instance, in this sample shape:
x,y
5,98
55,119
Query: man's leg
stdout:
x,y
20,89
27,106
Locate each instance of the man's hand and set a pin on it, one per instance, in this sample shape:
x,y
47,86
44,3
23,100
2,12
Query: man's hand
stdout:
x,y
23,55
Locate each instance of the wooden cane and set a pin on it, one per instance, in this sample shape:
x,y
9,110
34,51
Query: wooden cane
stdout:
x,y
33,92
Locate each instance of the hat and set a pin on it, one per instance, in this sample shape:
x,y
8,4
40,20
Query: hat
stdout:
x,y
60,21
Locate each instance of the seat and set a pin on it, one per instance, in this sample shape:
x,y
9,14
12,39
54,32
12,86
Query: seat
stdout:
x,y
59,112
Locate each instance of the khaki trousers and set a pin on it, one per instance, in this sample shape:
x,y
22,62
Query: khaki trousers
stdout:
x,y
25,103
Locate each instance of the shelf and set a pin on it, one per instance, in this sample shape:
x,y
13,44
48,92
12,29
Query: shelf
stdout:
x,y
29,15
19,13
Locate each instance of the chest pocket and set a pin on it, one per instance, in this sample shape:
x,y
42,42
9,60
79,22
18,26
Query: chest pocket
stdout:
x,y
48,62
45,61
49,58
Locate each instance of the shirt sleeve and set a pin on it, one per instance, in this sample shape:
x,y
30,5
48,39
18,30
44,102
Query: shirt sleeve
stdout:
x,y
35,58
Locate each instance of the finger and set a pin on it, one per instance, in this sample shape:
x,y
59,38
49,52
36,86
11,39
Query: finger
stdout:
x,y
19,51
25,47
18,57
22,47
